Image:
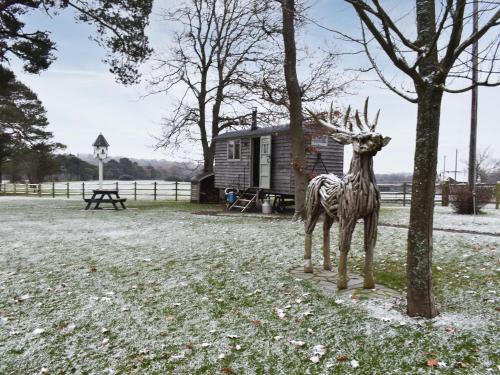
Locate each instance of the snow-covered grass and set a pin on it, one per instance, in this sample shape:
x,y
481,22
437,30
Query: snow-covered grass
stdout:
x,y
161,290
486,222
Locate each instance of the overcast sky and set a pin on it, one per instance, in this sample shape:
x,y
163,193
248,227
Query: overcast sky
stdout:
x,y
82,98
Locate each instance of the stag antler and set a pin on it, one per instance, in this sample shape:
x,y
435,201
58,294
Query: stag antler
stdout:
x,y
374,125
334,127
347,127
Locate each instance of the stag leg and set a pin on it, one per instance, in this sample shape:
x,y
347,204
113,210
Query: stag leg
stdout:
x,y
346,229
370,240
310,223
327,261
308,268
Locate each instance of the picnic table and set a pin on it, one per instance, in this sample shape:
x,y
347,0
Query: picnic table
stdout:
x,y
99,196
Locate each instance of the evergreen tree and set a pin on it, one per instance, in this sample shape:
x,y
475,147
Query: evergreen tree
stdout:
x,y
23,123
119,25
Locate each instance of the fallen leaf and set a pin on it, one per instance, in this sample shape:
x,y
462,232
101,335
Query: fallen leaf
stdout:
x,y
23,298
227,370
442,364
189,345
256,322
354,364
38,331
297,342
233,336
315,359
431,362
205,344
281,314
342,358
177,357
449,329
319,350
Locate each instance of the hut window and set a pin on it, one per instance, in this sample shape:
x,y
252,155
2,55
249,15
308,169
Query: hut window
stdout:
x,y
234,150
321,141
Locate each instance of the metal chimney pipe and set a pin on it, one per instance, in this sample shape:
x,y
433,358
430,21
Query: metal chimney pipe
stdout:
x,y
254,118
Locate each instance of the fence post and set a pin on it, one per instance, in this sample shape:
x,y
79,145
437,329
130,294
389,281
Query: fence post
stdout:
x,y
83,190
39,190
53,189
116,184
26,188
404,193
135,190
154,190
15,188
497,194
176,189
67,190
445,193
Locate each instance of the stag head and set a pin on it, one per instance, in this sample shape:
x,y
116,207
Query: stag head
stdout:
x,y
364,141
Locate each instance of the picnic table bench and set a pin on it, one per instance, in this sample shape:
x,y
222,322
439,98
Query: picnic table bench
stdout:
x,y
99,195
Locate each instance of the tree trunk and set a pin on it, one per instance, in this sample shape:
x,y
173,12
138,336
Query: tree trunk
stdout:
x,y
295,109
208,158
420,297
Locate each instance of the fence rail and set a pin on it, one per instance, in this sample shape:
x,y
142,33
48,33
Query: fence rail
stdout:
x,y
181,191
401,193
143,190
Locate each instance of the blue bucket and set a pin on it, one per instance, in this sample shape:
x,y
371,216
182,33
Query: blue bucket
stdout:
x,y
231,197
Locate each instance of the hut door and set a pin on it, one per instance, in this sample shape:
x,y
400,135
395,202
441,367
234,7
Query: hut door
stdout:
x,y
265,162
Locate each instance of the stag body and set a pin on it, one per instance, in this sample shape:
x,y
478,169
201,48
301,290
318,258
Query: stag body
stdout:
x,y
347,200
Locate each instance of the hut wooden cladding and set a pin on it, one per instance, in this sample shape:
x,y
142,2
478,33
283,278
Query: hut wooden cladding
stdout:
x,y
244,159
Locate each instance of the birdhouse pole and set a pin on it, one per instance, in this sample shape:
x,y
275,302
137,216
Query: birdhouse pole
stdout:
x,y
101,173
101,153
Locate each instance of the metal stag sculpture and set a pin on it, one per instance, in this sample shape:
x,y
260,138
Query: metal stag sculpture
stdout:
x,y
347,199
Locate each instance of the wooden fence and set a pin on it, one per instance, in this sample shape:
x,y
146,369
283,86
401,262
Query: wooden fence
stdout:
x,y
154,190
401,193
181,191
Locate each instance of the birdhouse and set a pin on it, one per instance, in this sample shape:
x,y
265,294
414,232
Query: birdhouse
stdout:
x,y
101,147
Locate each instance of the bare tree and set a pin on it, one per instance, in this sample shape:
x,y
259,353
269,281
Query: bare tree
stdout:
x,y
294,105
485,164
437,61
214,56
281,86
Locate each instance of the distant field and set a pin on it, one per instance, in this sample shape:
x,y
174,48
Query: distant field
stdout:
x,y
158,289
